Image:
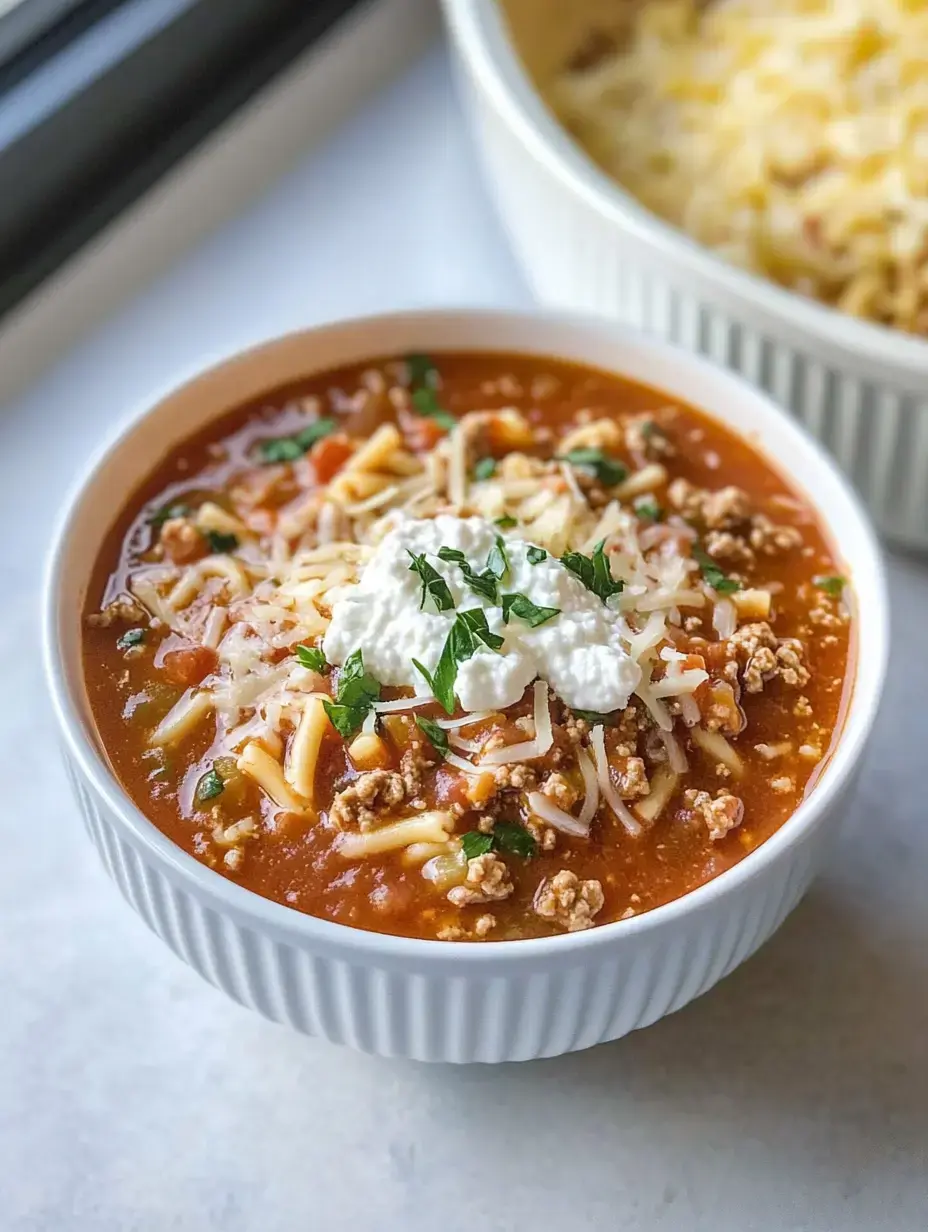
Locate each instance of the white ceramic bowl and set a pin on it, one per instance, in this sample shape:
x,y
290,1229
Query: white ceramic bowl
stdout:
x,y
586,244
432,1000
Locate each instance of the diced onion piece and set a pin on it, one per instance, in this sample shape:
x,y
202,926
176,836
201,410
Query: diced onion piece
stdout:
x,y
369,726
368,752
527,749
403,703
465,720
724,618
676,758
663,785
544,808
445,870
752,604
590,788
607,787
715,744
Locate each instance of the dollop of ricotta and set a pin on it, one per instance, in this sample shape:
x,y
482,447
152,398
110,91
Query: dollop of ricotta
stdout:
x,y
578,652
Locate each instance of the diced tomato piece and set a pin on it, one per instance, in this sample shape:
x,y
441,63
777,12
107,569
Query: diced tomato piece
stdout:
x,y
329,455
189,666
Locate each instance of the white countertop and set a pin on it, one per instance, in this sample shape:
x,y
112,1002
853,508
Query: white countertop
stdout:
x,y
135,1097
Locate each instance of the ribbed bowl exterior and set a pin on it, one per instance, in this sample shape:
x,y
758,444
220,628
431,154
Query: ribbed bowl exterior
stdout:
x,y
439,1008
873,419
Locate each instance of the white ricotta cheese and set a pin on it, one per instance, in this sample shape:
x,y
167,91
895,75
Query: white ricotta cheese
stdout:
x,y
577,652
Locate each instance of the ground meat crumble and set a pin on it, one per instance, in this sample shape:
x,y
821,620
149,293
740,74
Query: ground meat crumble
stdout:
x,y
720,815
764,657
487,881
567,901
372,793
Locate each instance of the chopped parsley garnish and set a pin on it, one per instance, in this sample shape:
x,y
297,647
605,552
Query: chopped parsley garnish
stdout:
x,y
434,585
484,468
131,637
607,470
461,644
209,787
173,509
484,584
425,402
594,717
436,735
474,844
594,571
498,561
516,840
422,370
357,692
833,585
506,836
536,555
311,657
289,448
648,428
647,507
525,609
713,575
220,542
505,522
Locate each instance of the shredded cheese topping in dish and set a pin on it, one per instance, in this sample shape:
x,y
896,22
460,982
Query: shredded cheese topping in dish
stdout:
x,y
465,653
791,138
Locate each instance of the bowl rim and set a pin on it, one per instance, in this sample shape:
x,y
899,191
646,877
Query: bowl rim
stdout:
x,y
480,29
229,898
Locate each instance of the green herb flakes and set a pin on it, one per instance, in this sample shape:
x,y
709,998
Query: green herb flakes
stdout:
x,y
525,609
607,470
536,555
514,839
594,717
508,837
498,561
713,575
422,370
437,736
474,844
434,586
468,631
173,509
594,571
311,657
505,522
831,585
219,542
484,468
425,402
357,692
131,637
647,508
484,584
289,448
209,787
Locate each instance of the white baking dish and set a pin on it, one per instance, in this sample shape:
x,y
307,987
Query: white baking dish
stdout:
x,y
587,244
431,1000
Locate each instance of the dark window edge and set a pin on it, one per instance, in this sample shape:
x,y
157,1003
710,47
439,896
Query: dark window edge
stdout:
x,y
57,207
